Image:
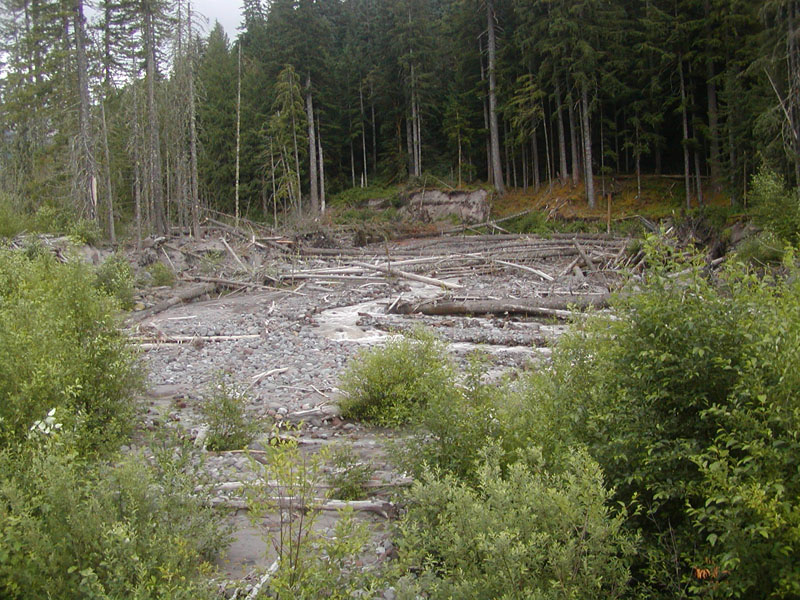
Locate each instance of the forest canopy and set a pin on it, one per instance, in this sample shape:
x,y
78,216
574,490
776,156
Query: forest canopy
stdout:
x,y
128,108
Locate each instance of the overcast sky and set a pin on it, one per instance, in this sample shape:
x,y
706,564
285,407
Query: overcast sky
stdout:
x,y
227,12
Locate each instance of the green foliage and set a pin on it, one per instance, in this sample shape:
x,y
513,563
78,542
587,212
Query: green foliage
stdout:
x,y
229,426
355,197
348,476
533,222
85,231
60,348
309,563
761,250
687,399
162,275
390,385
115,278
776,206
75,530
11,221
457,423
528,533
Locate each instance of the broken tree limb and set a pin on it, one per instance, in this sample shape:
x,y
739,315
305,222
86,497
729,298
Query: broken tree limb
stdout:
x,y
541,274
586,258
264,580
189,339
234,255
380,507
542,307
411,276
186,295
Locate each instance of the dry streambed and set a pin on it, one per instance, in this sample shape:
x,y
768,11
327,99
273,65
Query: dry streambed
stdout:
x,y
289,346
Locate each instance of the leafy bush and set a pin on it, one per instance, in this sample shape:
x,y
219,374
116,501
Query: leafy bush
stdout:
x,y
776,206
162,275
390,385
11,221
229,426
526,534
85,231
457,423
761,250
688,400
348,478
60,348
310,563
115,278
72,530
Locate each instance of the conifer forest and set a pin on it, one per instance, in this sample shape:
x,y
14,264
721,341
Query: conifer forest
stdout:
x,y
143,108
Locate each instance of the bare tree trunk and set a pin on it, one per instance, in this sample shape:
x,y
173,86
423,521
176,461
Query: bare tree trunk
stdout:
x,y
573,134
547,163
374,130
312,148
238,129
638,166
322,169
489,170
410,145
793,66
363,133
506,146
536,168
685,123
160,221
562,145
494,134
587,145
112,234
195,191
87,177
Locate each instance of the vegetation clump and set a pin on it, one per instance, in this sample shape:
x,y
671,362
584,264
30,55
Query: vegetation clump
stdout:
x,y
390,385
229,425
60,349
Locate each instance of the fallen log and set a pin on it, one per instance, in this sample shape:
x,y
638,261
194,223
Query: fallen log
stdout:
x,y
380,507
192,339
543,307
182,296
411,276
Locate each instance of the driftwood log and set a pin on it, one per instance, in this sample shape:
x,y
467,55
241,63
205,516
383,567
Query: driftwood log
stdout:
x,y
186,295
558,307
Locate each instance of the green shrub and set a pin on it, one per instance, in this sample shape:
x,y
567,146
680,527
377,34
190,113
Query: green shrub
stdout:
x,y
390,385
776,207
310,563
532,222
75,530
229,426
687,398
115,278
60,348
348,476
85,231
457,423
11,221
525,534
162,275
761,250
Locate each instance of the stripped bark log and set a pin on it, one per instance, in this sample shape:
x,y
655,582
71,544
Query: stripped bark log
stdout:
x,y
186,295
411,276
379,507
546,307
